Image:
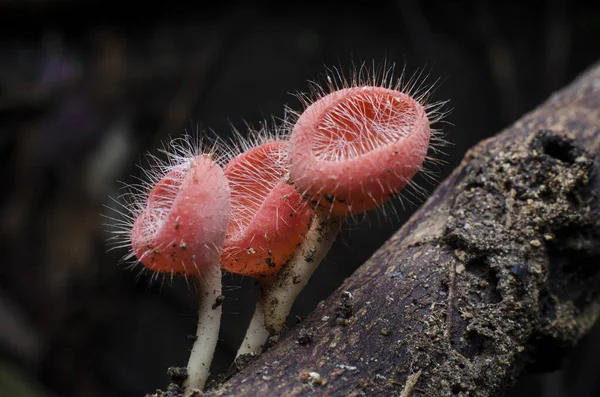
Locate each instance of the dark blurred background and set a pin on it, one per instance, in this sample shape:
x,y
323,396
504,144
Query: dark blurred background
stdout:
x,y
86,88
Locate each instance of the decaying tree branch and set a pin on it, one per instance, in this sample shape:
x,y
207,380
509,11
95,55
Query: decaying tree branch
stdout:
x,y
496,275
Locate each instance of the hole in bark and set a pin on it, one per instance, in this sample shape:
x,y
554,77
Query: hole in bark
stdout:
x,y
475,344
556,146
477,265
487,279
560,150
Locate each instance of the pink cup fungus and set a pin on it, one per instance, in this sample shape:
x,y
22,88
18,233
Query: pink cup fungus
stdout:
x,y
268,217
350,151
177,226
269,220
355,148
183,227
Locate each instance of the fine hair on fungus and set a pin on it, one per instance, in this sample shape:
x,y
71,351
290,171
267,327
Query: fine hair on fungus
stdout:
x,y
351,150
360,141
268,217
176,225
271,206
268,220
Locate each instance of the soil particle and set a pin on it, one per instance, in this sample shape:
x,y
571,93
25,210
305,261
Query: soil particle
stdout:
x,y
173,390
218,301
345,307
178,374
305,336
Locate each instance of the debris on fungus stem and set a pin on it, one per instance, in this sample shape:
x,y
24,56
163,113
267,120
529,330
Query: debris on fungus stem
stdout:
x,y
279,296
178,227
207,332
269,220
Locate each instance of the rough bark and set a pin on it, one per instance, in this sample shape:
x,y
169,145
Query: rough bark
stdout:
x,y
498,274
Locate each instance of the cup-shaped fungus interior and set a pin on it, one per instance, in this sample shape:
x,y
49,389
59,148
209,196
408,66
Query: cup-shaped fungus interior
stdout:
x,y
268,217
354,149
183,226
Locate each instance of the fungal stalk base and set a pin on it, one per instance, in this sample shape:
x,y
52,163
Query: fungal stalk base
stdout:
x,y
207,334
279,296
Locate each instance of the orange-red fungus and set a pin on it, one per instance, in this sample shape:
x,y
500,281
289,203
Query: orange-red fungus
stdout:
x,y
268,217
183,226
355,148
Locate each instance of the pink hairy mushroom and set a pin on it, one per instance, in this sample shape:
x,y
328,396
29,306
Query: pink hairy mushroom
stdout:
x,y
183,227
355,148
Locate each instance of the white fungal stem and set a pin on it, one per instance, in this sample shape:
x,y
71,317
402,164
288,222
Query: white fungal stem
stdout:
x,y
256,334
279,296
207,334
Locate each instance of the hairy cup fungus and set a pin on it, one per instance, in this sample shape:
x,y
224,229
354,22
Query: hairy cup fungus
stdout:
x,y
179,226
275,208
268,217
350,151
268,220
182,227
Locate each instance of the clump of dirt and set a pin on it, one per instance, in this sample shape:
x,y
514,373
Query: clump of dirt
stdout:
x,y
305,336
344,308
